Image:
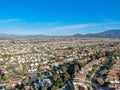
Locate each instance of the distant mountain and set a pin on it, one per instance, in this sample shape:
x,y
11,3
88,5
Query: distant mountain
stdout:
x,y
35,36
10,36
78,35
107,34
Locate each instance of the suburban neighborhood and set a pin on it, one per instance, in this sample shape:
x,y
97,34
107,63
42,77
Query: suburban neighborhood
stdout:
x,y
60,64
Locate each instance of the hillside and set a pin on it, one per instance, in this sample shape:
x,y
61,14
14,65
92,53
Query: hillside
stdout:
x,y
108,34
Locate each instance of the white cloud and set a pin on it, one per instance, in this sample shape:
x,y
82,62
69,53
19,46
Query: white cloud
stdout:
x,y
58,29
8,20
69,27
48,23
82,28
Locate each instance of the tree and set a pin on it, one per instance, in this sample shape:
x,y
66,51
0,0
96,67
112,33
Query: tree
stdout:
x,y
26,66
76,68
44,88
92,57
55,77
66,76
39,69
56,58
64,69
54,87
8,68
60,82
0,77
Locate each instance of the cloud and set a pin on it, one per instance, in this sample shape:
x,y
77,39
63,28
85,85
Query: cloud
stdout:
x,y
60,29
69,27
8,20
82,28
63,30
48,23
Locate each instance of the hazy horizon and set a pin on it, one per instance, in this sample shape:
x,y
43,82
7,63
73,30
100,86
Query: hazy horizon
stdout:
x,y
64,17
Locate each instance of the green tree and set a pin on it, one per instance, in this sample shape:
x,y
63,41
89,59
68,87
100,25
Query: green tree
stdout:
x,y
66,76
8,68
64,69
55,77
54,87
44,88
76,68
59,82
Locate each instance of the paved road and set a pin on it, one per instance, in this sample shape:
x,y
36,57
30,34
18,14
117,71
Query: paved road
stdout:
x,y
94,83
14,70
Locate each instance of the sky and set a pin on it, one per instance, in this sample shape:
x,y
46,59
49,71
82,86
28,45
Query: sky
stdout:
x,y
58,17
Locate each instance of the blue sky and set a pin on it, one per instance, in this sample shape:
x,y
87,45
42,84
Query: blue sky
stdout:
x,y
58,17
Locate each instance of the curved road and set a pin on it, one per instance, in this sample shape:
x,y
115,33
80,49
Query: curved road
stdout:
x,y
14,70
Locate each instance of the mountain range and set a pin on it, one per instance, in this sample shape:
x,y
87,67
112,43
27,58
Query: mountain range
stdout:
x,y
105,34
